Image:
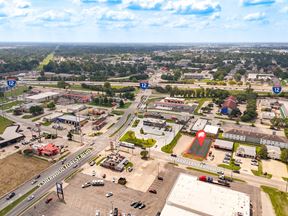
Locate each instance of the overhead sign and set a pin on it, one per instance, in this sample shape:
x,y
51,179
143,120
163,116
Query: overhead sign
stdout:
x,y
144,85
11,83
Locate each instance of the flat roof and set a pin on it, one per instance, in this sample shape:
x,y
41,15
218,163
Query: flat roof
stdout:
x,y
42,95
72,118
211,129
197,197
224,143
156,121
169,210
199,124
10,134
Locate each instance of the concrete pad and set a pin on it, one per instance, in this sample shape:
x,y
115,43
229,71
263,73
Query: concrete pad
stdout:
x,y
276,168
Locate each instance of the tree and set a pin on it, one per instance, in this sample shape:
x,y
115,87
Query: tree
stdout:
x,y
62,84
36,110
284,156
144,154
107,85
121,103
51,105
70,136
263,153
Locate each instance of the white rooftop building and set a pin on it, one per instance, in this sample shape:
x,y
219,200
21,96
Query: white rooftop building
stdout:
x,y
190,197
199,125
223,144
274,152
211,129
246,151
42,97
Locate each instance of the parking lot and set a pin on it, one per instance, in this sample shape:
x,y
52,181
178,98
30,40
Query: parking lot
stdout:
x,y
142,169
85,202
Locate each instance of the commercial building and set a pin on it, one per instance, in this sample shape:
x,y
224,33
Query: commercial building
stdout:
x,y
255,76
284,109
268,115
174,104
229,104
10,136
199,125
246,151
211,130
223,144
174,100
115,161
100,123
45,96
80,98
72,120
191,197
257,138
154,122
198,76
274,152
45,149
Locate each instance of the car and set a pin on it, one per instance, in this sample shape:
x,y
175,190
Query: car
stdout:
x,y
114,180
130,169
97,213
142,206
38,176
30,198
133,204
236,171
160,178
226,161
254,160
220,172
238,161
75,166
93,173
222,177
10,196
158,214
63,161
173,155
48,200
104,176
109,194
138,204
115,212
34,182
87,184
153,191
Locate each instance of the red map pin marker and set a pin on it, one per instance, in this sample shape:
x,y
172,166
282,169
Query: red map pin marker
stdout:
x,y
201,135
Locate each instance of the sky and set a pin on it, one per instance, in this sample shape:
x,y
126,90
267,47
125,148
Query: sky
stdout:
x,y
146,21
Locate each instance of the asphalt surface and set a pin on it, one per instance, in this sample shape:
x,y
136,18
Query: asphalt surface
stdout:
x,y
56,173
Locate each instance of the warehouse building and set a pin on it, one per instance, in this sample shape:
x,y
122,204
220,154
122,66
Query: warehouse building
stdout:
x,y
45,96
199,125
190,197
154,122
72,120
246,151
10,136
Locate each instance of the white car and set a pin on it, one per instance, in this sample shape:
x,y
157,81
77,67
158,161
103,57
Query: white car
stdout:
x,y
109,194
30,198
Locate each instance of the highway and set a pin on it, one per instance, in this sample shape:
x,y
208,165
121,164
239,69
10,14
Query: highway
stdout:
x,y
257,88
57,172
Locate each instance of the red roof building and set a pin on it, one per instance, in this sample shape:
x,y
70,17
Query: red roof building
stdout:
x,y
48,150
229,104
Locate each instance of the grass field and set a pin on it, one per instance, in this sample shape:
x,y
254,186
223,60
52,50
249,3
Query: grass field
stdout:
x,y
201,101
131,138
259,172
279,200
197,151
4,123
16,169
7,106
14,92
45,61
169,148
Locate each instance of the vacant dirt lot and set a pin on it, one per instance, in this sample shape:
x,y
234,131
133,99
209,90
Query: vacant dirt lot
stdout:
x,y
183,144
16,169
276,168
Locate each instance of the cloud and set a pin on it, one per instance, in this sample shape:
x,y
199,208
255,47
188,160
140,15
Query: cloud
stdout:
x,y
55,16
143,4
255,17
22,4
196,7
98,1
248,3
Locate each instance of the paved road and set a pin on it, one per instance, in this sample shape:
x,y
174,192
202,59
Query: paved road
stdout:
x,y
58,172
258,88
